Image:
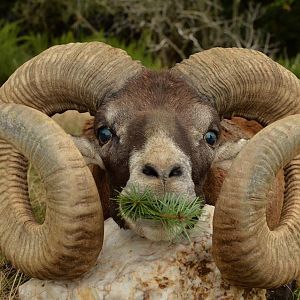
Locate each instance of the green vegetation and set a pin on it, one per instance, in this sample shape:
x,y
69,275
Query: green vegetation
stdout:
x,y
293,64
158,33
37,194
175,213
12,52
10,280
296,295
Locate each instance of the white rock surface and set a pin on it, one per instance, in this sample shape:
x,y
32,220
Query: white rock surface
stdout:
x,y
131,267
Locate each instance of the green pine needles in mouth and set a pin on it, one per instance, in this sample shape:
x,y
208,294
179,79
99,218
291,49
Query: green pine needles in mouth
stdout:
x,y
176,213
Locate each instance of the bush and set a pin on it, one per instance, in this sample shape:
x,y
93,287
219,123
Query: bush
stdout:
x,y
170,29
174,29
293,64
12,50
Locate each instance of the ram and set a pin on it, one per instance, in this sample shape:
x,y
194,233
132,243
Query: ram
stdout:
x,y
156,130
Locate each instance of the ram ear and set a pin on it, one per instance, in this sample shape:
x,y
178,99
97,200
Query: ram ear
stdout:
x,y
227,152
225,155
90,150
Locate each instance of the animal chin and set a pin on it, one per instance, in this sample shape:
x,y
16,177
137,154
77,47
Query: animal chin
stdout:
x,y
152,230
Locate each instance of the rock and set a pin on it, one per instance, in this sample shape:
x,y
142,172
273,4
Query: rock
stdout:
x,y
131,267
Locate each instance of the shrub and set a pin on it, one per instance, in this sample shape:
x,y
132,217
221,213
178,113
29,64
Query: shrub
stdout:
x,y
12,51
171,29
293,64
175,29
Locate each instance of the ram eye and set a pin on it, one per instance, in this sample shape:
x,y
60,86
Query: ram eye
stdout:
x,y
104,134
211,138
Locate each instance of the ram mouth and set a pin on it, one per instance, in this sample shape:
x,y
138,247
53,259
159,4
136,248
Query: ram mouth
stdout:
x,y
165,217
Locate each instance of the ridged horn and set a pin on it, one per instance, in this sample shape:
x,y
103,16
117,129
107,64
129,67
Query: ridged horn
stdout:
x,y
246,83
247,252
73,76
242,82
69,240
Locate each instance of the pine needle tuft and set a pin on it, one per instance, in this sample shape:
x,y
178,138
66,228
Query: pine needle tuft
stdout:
x,y
172,210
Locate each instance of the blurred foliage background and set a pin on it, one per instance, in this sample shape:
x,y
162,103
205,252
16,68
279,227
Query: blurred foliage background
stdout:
x,y
157,32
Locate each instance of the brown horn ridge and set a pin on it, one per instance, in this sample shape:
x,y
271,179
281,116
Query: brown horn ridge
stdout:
x,y
73,76
247,83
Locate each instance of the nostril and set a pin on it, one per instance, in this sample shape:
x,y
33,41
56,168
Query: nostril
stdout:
x,y
150,171
176,172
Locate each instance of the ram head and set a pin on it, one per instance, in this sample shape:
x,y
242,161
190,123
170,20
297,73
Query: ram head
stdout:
x,y
159,131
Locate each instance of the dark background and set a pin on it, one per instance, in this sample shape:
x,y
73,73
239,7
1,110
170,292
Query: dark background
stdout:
x,y
157,32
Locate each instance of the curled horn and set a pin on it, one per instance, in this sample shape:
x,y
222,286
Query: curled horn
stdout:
x,y
266,258
247,83
73,76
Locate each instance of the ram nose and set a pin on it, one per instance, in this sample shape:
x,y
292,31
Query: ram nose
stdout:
x,y
153,171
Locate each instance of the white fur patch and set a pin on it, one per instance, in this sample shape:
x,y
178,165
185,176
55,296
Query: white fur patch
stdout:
x,y
161,152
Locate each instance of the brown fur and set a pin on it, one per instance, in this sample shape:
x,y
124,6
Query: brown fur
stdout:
x,y
148,103
156,99
232,130
100,176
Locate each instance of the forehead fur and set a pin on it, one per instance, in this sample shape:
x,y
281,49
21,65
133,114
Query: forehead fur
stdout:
x,y
152,91
153,88
156,99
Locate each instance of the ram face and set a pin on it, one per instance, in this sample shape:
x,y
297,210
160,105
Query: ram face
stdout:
x,y
150,141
